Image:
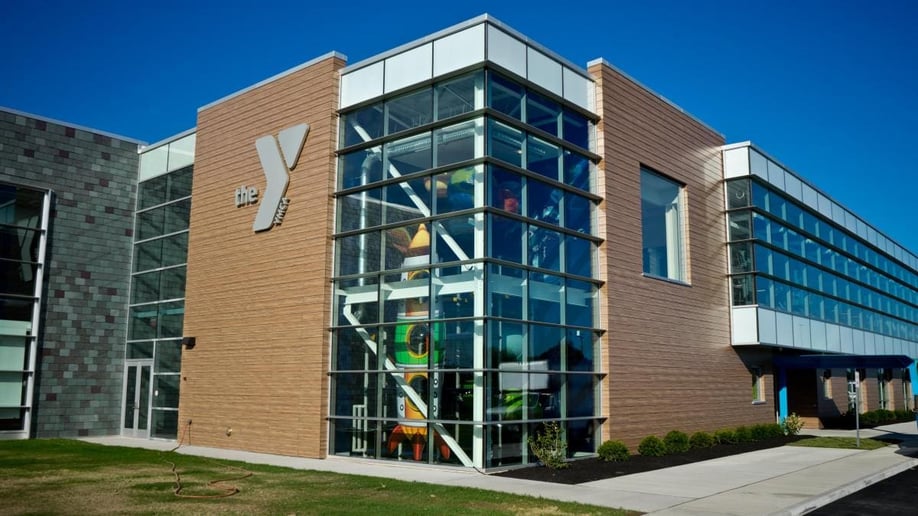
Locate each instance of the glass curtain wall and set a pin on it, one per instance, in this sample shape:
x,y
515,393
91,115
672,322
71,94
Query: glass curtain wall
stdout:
x,y
23,234
787,258
465,296
158,291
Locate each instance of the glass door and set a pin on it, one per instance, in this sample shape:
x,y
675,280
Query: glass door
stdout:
x,y
136,410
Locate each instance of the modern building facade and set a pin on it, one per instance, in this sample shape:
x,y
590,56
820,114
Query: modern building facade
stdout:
x,y
66,225
430,254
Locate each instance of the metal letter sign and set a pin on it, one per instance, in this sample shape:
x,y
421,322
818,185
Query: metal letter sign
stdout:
x,y
278,157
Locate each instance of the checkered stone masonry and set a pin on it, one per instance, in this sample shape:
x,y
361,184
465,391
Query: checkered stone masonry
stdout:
x,y
84,320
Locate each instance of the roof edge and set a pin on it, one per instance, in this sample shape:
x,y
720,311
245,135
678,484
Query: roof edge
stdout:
x,y
603,61
75,126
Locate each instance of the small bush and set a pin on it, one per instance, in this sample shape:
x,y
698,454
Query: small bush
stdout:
x,y
885,416
725,436
904,415
652,446
870,419
613,451
759,432
676,442
743,434
792,424
549,446
702,440
774,430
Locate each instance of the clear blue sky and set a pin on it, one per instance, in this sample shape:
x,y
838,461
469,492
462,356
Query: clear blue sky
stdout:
x,y
829,88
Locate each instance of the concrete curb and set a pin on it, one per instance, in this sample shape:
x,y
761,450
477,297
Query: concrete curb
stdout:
x,y
832,495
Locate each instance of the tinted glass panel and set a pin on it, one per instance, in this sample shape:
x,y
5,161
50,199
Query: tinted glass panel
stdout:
x,y
456,143
506,190
505,143
576,129
19,243
542,113
576,170
409,111
409,155
456,96
505,96
360,167
362,125
543,158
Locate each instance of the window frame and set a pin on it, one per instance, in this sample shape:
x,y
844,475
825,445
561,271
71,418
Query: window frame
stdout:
x,y
679,250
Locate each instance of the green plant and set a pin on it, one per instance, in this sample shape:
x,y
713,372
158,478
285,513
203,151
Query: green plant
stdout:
x,y
676,442
702,440
885,416
743,434
775,430
549,446
870,418
759,432
725,436
849,443
613,451
652,446
792,424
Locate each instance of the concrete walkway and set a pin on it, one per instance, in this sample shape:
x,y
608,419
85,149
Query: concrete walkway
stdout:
x,y
785,480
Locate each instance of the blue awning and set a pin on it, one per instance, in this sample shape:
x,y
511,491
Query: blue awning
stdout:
x,y
843,361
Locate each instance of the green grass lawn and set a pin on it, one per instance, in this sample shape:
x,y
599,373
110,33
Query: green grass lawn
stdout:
x,y
839,442
55,476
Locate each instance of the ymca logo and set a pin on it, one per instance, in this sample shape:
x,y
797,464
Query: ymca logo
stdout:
x,y
278,155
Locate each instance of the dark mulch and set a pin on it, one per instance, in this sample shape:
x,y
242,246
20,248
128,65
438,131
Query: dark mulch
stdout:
x,y
587,470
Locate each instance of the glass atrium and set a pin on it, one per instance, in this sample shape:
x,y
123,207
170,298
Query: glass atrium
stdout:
x,y
465,272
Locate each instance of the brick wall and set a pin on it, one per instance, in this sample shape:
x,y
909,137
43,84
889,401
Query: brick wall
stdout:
x,y
84,318
667,349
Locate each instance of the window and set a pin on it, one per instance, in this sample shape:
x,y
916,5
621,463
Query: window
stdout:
x,y
758,385
883,380
661,220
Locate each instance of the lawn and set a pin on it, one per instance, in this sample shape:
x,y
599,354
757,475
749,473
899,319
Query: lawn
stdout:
x,y
54,476
840,442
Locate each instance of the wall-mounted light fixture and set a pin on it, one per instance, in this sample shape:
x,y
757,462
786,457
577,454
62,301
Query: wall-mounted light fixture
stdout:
x,y
188,342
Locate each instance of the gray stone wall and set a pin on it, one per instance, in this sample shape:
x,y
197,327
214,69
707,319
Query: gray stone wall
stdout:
x,y
87,276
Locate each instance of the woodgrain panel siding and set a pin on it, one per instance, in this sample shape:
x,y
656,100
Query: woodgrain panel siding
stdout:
x,y
259,303
667,349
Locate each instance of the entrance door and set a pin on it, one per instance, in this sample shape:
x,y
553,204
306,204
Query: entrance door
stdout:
x,y
801,396
136,410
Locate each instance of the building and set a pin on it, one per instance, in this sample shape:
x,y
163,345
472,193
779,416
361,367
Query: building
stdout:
x,y
430,254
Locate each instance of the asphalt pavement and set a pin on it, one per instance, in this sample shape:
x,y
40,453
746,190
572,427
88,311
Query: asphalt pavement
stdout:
x,y
785,480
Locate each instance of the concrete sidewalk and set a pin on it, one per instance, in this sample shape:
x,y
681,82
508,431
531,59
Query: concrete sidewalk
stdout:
x,y
785,480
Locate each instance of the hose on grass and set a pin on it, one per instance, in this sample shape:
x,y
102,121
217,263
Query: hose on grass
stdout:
x,y
224,491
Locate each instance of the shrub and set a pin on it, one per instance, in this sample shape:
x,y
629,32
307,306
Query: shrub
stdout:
x,y
549,446
725,436
904,415
774,430
743,434
652,446
885,416
759,432
676,442
702,440
869,418
613,451
792,424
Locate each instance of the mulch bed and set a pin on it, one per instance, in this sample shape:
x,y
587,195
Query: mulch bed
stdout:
x,y
587,470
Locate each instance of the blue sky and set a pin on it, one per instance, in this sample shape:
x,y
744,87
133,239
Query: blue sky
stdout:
x,y
828,88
